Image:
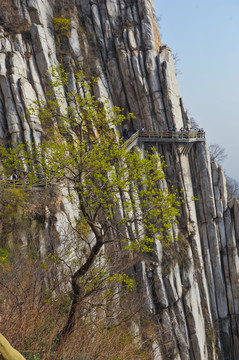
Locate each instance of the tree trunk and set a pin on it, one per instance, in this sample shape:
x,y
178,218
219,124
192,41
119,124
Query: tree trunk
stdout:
x,y
77,292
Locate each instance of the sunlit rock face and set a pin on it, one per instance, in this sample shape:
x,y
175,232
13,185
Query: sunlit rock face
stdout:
x,y
118,41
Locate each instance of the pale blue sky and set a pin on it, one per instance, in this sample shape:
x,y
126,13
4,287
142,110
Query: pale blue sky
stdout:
x,y
205,35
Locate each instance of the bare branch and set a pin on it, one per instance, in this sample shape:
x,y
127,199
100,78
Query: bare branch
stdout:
x,y
217,153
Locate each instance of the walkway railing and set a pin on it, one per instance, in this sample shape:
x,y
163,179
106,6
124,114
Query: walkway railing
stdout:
x,y
174,134
171,136
24,184
131,139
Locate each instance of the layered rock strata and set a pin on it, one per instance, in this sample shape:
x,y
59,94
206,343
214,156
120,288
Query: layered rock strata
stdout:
x,y
197,306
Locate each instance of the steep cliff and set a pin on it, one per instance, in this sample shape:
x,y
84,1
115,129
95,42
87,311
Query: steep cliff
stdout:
x,y
197,306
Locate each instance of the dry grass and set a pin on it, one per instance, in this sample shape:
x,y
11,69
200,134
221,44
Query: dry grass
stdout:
x,y
34,309
34,303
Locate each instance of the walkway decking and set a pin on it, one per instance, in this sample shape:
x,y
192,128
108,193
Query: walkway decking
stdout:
x,y
22,184
161,137
137,138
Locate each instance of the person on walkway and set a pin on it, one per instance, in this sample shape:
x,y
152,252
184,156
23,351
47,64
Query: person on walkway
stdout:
x,y
13,175
24,176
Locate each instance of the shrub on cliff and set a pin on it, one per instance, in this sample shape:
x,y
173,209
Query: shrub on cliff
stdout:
x,y
62,26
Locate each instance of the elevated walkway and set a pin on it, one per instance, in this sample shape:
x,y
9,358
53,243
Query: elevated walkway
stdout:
x,y
25,185
160,137
137,139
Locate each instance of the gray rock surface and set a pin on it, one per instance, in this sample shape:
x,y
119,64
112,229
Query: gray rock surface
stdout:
x,y
119,42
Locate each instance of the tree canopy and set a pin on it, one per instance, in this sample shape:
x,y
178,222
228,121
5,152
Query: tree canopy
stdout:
x,y
121,195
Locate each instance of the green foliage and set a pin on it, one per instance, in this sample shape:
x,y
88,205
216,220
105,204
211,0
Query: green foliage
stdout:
x,y
12,213
82,147
4,256
62,26
33,356
193,198
125,279
12,200
4,260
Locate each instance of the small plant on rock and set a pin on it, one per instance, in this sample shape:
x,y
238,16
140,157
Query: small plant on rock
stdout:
x,y
62,26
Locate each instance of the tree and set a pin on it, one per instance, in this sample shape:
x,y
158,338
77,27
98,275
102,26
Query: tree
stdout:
x,y
232,188
120,195
193,122
217,153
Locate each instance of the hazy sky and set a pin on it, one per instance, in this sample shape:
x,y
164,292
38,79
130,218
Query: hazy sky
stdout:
x,y
205,35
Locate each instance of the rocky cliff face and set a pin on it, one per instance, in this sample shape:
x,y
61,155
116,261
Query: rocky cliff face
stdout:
x,y
197,305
